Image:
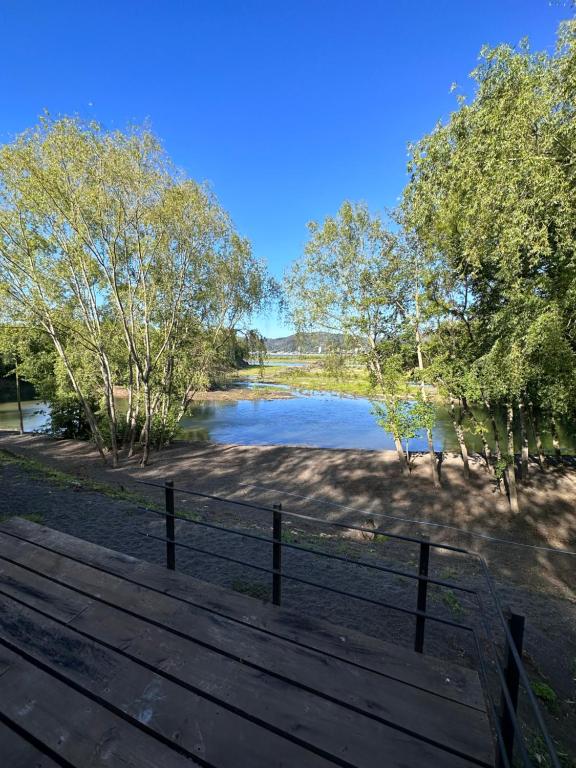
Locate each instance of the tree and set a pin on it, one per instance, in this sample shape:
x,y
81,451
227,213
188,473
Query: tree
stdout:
x,y
491,197
134,272
354,280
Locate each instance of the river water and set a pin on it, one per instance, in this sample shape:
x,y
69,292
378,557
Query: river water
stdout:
x,y
320,419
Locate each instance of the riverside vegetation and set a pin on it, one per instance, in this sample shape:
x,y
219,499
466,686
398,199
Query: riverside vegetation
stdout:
x,y
117,271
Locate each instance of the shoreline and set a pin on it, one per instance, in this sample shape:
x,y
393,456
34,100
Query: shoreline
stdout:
x,y
367,480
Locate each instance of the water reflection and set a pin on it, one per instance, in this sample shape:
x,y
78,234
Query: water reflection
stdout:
x,y
320,419
35,413
324,420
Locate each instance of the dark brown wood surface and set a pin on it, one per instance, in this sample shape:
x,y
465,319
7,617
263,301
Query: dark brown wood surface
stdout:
x,y
206,676
18,751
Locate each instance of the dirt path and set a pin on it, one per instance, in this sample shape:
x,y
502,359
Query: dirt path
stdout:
x,y
71,506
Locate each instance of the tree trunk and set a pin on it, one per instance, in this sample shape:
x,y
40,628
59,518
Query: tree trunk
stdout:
x,y
487,452
431,451
555,438
130,392
110,409
457,423
135,410
147,428
494,430
511,467
166,401
90,418
433,461
537,437
404,465
18,398
524,441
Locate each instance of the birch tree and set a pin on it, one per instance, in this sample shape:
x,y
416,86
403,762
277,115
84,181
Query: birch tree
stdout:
x,y
105,245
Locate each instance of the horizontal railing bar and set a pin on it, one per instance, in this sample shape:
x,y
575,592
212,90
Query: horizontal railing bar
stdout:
x,y
300,516
376,531
314,551
410,521
298,579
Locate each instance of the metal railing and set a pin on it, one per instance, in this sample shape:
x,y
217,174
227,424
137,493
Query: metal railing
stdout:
x,y
511,674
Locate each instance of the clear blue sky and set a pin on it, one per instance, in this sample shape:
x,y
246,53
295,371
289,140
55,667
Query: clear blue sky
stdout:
x,y
286,108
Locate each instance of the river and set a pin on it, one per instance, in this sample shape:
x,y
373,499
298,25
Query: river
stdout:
x,y
320,419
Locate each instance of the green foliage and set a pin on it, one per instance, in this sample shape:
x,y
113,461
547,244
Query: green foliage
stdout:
x,y
404,418
491,200
252,589
545,693
134,274
451,601
538,752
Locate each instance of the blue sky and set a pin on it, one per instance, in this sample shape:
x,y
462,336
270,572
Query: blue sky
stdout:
x,y
286,108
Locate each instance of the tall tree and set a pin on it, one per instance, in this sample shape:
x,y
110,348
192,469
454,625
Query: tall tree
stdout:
x,y
104,245
356,281
491,195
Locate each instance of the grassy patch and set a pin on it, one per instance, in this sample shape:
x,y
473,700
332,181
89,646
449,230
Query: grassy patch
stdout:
x,y
252,589
547,696
34,517
355,381
352,381
539,754
448,573
451,601
55,477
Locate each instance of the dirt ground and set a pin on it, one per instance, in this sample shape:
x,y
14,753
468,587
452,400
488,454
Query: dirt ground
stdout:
x,y
535,582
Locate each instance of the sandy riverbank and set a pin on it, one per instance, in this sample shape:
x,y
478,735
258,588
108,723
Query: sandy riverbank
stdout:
x,y
365,480
531,582
232,394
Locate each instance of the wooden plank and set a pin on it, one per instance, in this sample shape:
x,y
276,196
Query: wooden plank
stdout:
x,y
447,680
200,726
84,733
441,720
17,752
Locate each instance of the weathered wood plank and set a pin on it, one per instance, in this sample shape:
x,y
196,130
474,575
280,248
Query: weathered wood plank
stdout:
x,y
200,726
17,752
436,719
196,724
84,733
447,680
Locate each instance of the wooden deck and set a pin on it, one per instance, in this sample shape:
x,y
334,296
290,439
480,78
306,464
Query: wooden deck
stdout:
x,y
106,660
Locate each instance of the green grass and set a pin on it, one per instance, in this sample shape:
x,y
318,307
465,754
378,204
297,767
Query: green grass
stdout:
x,y
252,589
539,754
55,477
354,380
448,573
547,696
34,517
449,599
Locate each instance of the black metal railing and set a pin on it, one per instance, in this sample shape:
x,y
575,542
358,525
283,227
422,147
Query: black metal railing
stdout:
x,y
511,743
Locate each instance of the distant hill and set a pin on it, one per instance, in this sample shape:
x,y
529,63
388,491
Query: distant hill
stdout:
x,y
305,343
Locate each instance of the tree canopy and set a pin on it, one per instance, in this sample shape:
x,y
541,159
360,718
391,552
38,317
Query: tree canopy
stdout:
x,y
134,272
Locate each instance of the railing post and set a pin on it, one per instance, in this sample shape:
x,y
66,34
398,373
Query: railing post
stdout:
x,y
170,535
277,554
422,595
512,677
